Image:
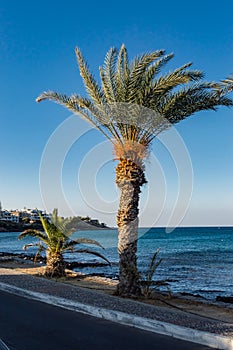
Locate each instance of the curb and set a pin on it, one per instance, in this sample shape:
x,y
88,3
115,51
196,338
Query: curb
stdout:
x,y
3,346
184,333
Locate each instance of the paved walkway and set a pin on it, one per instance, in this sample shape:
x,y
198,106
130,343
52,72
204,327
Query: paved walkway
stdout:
x,y
163,320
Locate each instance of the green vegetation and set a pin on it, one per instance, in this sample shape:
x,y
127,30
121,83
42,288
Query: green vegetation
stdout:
x,y
133,104
55,240
150,272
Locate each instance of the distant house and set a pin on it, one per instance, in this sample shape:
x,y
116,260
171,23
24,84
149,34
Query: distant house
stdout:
x,y
9,216
33,214
94,222
19,215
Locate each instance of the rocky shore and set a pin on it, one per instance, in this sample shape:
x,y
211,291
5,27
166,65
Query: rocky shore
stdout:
x,y
7,226
29,258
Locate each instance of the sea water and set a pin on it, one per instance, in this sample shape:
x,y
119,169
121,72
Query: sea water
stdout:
x,y
195,260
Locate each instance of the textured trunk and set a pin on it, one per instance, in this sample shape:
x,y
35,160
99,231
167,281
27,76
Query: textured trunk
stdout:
x,y
55,265
129,178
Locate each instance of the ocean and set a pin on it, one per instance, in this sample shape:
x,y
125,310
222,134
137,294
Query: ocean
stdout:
x,y
195,260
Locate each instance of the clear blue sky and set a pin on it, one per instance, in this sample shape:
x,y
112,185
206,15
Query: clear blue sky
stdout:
x,y
37,42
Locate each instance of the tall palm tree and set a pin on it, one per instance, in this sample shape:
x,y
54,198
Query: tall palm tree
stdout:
x,y
55,240
132,104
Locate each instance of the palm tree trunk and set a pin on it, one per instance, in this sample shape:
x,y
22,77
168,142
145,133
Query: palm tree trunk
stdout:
x,y
129,178
55,265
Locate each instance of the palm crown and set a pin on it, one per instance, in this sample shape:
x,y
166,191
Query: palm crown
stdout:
x,y
111,106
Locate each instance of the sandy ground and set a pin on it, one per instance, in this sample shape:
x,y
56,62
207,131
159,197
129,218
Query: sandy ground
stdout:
x,y
190,304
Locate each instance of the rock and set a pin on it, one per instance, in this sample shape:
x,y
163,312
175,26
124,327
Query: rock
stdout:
x,y
228,300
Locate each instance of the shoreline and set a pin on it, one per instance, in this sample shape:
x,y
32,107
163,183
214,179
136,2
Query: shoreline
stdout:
x,y
24,263
7,226
183,317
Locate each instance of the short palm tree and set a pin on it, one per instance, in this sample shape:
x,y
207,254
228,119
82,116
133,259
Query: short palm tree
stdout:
x,y
55,240
132,104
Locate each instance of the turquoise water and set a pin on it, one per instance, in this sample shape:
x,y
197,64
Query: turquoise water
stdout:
x,y
197,260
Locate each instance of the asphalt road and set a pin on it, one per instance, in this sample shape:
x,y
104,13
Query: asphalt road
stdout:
x,y
31,325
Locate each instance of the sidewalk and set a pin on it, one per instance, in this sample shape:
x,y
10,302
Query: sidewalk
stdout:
x,y
158,319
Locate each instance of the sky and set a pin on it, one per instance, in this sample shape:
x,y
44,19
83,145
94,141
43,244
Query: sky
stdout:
x,y
50,158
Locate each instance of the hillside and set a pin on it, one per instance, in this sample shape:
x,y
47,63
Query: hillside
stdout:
x,y
77,224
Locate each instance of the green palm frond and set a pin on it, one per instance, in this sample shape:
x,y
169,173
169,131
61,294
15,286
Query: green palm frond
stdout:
x,y
98,115
85,108
39,251
47,226
92,252
34,233
41,247
228,81
138,68
122,73
154,264
225,86
155,68
173,96
125,63
195,98
107,74
149,274
177,77
62,225
146,90
72,243
55,218
91,85
71,103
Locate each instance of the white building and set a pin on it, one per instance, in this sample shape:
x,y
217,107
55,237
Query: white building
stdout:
x,y
17,215
9,216
33,214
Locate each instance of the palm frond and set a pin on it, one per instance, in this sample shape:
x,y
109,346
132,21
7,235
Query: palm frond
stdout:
x,y
154,264
187,101
173,96
62,225
228,81
149,274
86,109
92,252
99,114
122,72
177,77
74,242
107,74
155,68
39,251
47,226
29,245
125,63
71,103
91,85
146,88
225,86
33,233
138,68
